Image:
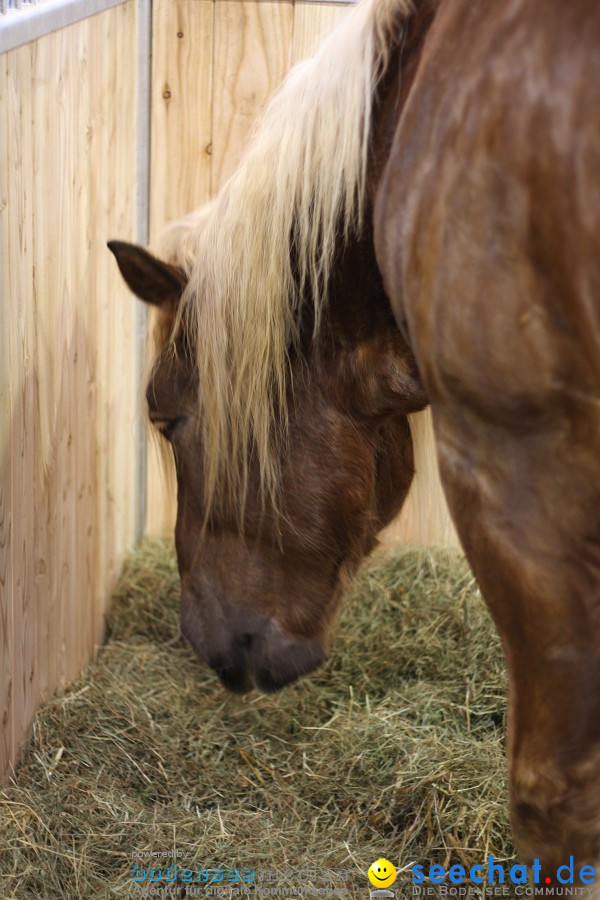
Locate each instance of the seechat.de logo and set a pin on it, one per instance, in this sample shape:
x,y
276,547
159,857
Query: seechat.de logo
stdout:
x,y
494,873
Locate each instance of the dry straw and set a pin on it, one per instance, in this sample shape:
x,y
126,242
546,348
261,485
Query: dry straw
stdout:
x,y
394,748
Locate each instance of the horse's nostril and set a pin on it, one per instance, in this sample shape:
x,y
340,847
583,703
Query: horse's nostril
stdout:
x,y
235,679
245,641
267,682
277,659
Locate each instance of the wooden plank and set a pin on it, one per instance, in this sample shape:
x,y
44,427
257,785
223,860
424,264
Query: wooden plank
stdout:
x,y
79,352
6,431
75,53
44,211
63,313
182,65
312,22
424,521
25,634
21,386
122,356
116,380
67,350
51,321
83,397
161,493
97,137
181,163
110,327
104,192
253,52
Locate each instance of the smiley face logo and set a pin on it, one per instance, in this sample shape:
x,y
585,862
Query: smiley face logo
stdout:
x,y
382,873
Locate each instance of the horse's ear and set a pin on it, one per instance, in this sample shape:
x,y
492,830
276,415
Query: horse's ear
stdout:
x,y
149,278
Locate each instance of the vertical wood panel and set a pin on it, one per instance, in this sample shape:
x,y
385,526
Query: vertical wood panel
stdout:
x,y
252,54
102,138
181,117
44,252
312,21
67,350
114,148
22,640
6,315
424,520
85,396
121,357
182,70
23,497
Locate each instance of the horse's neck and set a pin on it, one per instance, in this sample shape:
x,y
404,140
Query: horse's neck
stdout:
x,y
394,89
357,304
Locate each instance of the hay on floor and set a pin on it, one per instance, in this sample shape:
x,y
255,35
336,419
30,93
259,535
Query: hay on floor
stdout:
x,y
394,748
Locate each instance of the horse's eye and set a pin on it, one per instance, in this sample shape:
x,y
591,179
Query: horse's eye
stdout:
x,y
167,427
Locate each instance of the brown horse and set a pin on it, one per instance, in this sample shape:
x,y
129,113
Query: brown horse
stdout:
x,y
452,172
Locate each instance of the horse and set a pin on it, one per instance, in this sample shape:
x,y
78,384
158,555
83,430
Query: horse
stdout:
x,y
415,221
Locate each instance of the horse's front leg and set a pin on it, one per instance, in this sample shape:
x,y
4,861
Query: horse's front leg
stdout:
x,y
526,502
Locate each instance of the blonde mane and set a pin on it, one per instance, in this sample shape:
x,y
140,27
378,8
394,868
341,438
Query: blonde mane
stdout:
x,y
300,185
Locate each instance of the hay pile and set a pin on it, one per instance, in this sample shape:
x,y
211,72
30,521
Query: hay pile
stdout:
x,y
394,749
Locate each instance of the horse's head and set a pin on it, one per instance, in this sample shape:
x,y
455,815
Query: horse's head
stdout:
x,y
258,601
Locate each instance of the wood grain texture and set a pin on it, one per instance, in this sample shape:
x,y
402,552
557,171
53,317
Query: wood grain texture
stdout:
x,y
181,162
424,520
67,349
7,315
182,71
252,54
312,21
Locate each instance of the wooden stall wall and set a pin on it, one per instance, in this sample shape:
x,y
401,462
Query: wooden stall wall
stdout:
x,y
215,63
68,386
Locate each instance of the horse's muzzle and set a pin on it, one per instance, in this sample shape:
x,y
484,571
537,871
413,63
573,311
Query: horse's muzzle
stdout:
x,y
253,652
274,659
